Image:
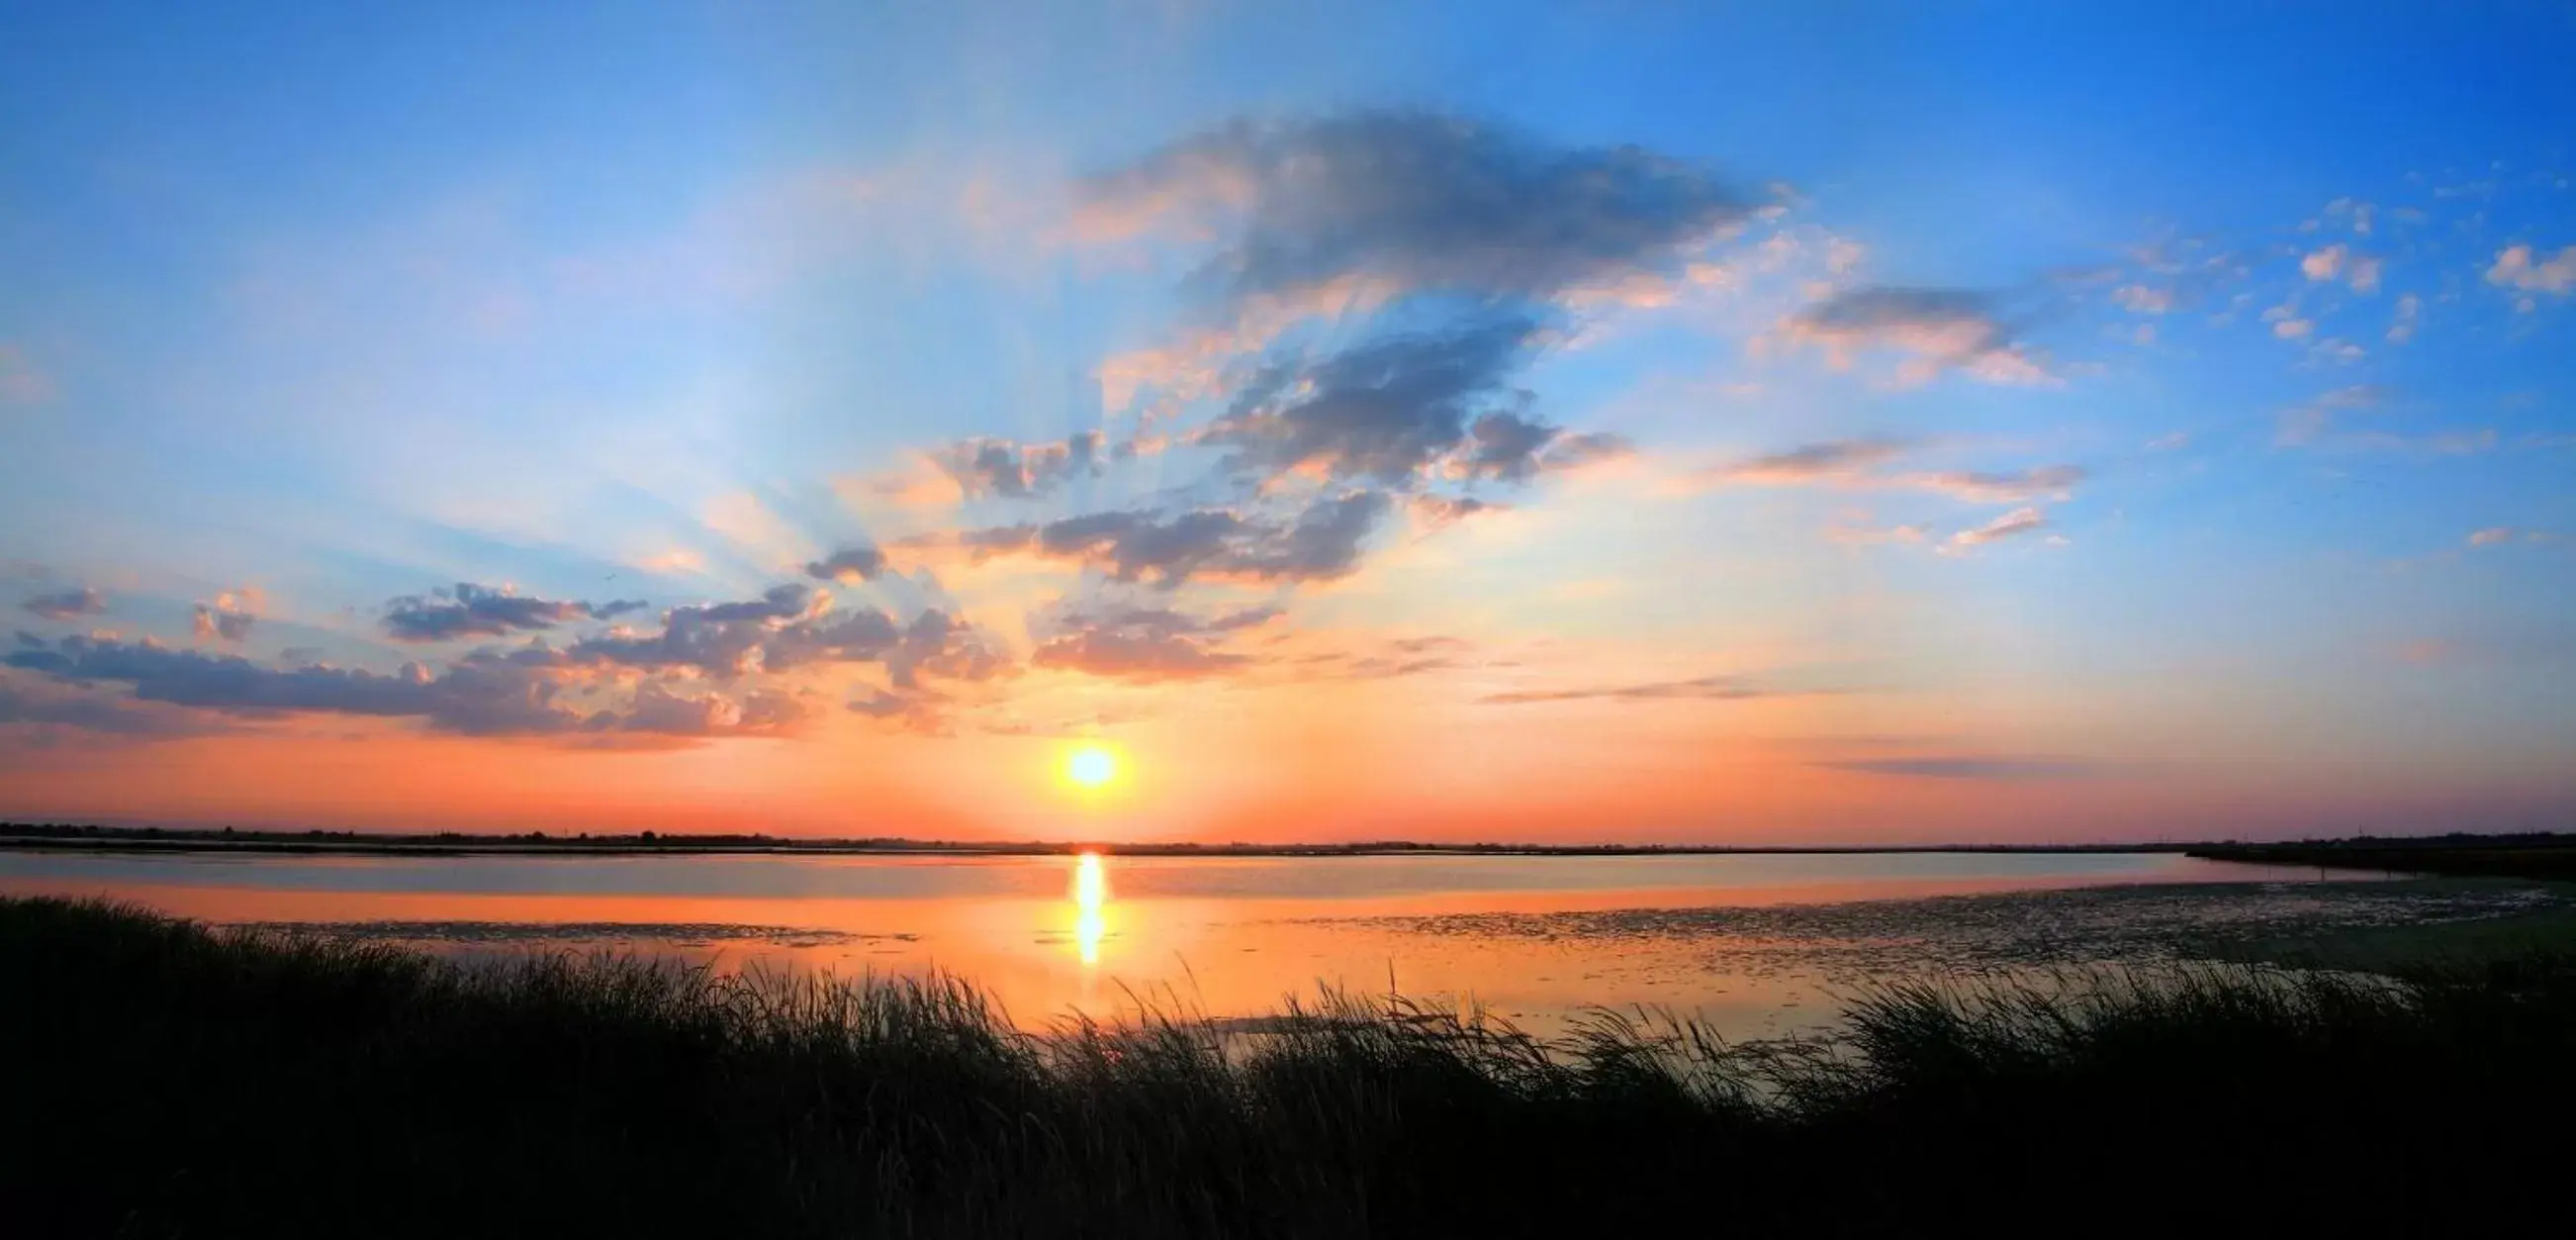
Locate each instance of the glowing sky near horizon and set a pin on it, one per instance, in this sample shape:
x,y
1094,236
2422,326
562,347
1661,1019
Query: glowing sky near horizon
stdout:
x,y
1548,422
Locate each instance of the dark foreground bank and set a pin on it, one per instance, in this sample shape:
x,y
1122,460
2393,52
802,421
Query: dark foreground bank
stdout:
x,y
2539,855
166,1081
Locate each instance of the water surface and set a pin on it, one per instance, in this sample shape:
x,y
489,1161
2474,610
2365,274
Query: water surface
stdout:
x,y
1759,944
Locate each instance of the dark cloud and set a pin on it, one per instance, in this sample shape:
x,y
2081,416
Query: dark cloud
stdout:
x,y
1247,618
658,711
1416,202
945,647
487,693
1986,768
1144,642
1704,688
1161,621
1504,447
68,605
1436,512
1321,543
879,704
791,626
94,713
219,623
1386,410
786,626
229,682
985,466
470,610
26,638
1144,657
1400,409
861,563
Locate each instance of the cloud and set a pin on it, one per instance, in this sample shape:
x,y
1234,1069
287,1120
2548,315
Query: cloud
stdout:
x,y
1153,619
2286,323
1432,513
1945,329
1703,688
1979,487
91,712
2325,264
465,699
2363,275
487,693
68,605
1388,409
786,626
861,563
792,626
223,620
1413,202
1321,543
2012,524
984,466
2514,268
658,711
1979,768
470,610
2169,442
912,712
1838,460
1146,657
1850,464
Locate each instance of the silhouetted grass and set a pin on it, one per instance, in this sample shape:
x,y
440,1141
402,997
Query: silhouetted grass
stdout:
x,y
164,1080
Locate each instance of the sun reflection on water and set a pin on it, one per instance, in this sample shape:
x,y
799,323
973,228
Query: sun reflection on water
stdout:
x,y
1090,906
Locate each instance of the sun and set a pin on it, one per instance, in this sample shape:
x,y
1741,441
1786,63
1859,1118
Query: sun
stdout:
x,y
1091,766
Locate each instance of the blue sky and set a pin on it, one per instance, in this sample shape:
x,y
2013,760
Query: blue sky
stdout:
x,y
1878,422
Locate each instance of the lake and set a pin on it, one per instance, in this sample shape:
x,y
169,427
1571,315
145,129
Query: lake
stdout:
x,y
1757,944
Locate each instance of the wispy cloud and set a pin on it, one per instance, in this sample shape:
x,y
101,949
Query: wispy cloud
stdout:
x,y
1942,329
469,610
1701,688
2012,524
68,604
1854,464
2002,769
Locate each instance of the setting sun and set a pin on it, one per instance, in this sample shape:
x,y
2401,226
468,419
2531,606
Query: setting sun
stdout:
x,y
1091,766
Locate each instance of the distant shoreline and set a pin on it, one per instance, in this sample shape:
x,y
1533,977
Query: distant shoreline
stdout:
x,y
424,846
2378,853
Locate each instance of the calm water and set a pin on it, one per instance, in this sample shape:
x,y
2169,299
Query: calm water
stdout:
x,y
1757,944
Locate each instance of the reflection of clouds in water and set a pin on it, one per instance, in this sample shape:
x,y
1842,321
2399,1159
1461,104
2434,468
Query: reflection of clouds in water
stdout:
x,y
2105,925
